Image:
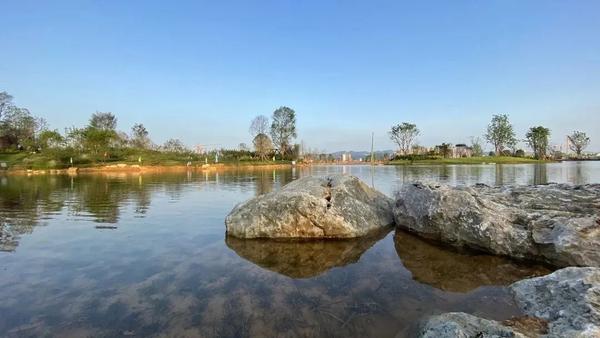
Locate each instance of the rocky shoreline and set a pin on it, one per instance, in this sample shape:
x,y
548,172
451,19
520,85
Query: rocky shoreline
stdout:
x,y
555,224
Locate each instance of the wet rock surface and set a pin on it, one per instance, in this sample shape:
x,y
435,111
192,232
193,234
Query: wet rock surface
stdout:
x,y
303,259
569,299
565,303
463,325
557,224
337,206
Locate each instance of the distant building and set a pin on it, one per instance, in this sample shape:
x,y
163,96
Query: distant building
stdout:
x,y
462,150
347,157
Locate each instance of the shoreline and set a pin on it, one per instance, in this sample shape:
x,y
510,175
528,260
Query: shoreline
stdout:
x,y
135,168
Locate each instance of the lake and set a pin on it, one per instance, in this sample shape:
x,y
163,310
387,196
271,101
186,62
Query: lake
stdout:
x,y
146,255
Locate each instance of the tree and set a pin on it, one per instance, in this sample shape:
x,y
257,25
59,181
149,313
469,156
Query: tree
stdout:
x,y
476,145
578,141
18,126
283,128
97,139
139,136
500,133
174,146
537,139
104,121
403,135
50,139
445,150
262,145
5,102
259,125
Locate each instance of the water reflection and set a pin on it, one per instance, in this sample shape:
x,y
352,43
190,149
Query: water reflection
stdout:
x,y
449,270
302,259
167,269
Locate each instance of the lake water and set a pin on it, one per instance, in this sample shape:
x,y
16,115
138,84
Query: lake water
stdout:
x,y
146,255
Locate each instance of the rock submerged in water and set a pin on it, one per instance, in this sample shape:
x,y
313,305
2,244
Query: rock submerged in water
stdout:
x,y
337,206
565,303
557,224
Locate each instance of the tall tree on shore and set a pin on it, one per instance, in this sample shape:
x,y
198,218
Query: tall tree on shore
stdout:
x,y
5,102
103,121
500,133
259,125
537,138
262,145
578,141
404,135
283,128
139,136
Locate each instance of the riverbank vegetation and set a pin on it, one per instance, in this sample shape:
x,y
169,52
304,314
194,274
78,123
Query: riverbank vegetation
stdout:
x,y
27,142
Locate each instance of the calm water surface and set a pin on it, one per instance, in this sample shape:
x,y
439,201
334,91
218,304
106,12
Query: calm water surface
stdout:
x,y
146,255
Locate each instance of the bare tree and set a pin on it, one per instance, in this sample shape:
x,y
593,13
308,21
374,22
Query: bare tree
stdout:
x,y
404,135
5,102
259,125
139,136
578,141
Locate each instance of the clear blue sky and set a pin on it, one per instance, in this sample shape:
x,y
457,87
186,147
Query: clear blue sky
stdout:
x,y
201,70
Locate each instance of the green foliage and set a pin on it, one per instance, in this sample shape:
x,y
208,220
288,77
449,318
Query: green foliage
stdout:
x,y
263,146
139,136
537,138
103,121
283,128
500,133
50,139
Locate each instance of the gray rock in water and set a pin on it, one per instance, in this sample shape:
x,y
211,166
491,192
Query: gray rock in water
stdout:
x,y
557,223
338,206
463,325
569,299
565,303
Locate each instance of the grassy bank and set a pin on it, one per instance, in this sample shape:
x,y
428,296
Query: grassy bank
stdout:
x,y
469,160
62,159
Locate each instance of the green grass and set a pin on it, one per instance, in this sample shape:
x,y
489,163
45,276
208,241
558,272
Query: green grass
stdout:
x,y
60,159
470,160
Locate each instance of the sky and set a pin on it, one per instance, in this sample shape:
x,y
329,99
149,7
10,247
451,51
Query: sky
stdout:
x,y
201,70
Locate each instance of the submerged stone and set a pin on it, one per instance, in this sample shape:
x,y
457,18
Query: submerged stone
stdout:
x,y
337,206
557,224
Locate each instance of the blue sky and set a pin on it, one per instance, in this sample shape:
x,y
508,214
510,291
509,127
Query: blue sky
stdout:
x,y
201,70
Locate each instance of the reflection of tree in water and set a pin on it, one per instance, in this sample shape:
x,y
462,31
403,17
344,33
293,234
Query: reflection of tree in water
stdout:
x,y
22,200
540,176
25,200
451,270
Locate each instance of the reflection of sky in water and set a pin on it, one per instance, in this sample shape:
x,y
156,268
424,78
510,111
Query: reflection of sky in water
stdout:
x,y
167,270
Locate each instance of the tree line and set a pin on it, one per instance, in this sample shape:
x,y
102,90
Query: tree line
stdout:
x,y
101,140
500,134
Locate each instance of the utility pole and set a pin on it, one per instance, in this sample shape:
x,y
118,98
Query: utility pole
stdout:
x,y
372,154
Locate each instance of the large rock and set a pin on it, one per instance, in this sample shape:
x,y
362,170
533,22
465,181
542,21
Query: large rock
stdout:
x,y
565,303
557,223
338,206
569,299
463,325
